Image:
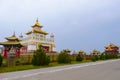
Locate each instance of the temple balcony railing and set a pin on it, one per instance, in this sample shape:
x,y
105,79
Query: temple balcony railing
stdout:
x,y
44,41
48,41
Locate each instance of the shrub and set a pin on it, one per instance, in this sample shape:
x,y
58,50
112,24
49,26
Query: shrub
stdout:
x,y
97,58
102,56
105,55
94,58
40,58
1,60
63,57
47,60
17,62
79,58
113,56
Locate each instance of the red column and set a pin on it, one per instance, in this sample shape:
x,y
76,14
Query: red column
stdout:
x,y
5,53
17,53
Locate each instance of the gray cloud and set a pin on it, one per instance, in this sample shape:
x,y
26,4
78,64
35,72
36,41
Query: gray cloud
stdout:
x,y
77,24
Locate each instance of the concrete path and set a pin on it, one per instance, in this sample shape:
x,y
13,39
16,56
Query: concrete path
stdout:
x,y
104,70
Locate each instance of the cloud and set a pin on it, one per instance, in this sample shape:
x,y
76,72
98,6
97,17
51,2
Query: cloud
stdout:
x,y
77,24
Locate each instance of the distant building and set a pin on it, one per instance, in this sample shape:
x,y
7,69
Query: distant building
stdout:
x,y
35,37
112,49
95,52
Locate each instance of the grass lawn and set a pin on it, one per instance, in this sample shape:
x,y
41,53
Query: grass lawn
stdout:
x,y
27,67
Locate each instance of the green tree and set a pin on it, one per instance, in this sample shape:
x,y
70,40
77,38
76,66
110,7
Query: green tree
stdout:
x,y
94,58
1,60
40,57
103,56
79,58
63,57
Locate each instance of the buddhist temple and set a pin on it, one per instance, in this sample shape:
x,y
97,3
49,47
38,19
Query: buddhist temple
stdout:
x,y
10,42
35,37
112,49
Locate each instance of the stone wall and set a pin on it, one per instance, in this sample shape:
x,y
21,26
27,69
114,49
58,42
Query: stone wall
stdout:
x,y
27,57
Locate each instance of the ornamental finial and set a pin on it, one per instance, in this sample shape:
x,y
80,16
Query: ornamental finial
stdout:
x,y
14,33
37,23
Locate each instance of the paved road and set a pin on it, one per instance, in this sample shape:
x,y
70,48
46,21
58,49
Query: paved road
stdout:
x,y
105,70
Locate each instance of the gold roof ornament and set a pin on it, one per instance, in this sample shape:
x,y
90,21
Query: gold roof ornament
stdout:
x,y
36,28
37,24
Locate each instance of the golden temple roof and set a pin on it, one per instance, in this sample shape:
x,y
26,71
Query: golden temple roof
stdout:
x,y
36,28
37,31
37,24
12,38
10,43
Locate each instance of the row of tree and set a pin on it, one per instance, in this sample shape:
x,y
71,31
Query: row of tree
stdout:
x,y
104,57
40,58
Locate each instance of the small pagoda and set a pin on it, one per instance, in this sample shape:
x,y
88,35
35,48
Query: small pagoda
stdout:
x,y
10,42
112,49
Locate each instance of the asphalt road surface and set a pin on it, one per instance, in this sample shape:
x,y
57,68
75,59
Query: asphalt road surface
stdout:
x,y
104,70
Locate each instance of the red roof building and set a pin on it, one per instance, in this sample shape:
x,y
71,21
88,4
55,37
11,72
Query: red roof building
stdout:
x,y
112,49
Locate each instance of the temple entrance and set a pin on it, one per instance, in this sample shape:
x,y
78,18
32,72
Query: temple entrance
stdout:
x,y
46,48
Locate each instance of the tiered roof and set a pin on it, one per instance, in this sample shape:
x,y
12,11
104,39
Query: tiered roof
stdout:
x,y
12,40
111,46
36,28
37,24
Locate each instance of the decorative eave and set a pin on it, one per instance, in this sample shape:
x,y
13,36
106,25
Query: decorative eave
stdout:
x,y
37,31
109,49
10,43
37,26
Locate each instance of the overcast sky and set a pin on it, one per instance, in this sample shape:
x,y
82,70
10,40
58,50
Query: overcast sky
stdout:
x,y
76,24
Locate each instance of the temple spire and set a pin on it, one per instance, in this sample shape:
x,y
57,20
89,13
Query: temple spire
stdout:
x,y
14,34
37,20
37,24
21,36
